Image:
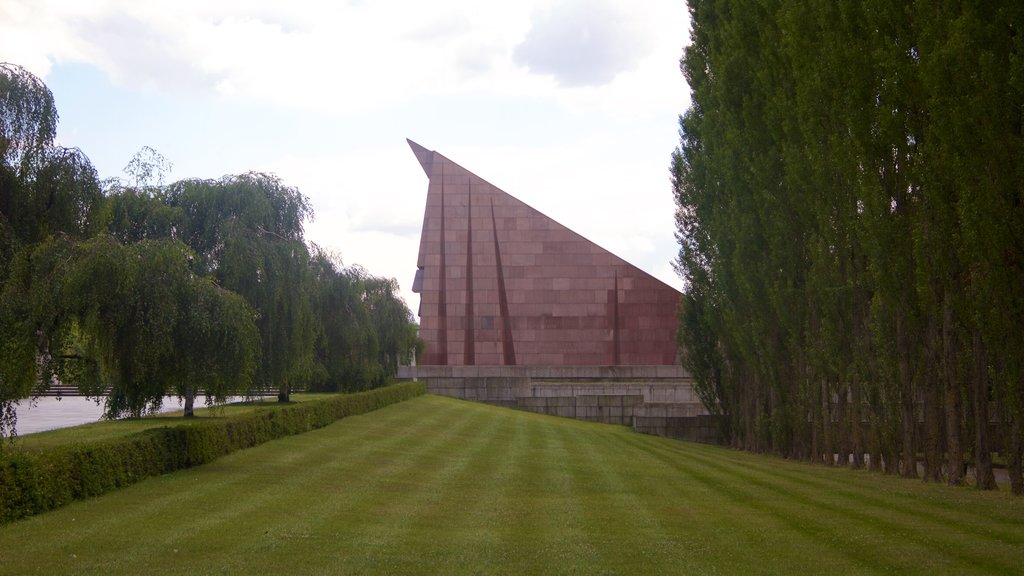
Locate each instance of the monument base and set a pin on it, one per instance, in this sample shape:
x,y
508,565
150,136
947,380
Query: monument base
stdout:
x,y
657,400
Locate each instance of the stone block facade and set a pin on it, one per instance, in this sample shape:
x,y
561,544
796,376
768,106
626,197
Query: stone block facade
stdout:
x,y
703,428
652,399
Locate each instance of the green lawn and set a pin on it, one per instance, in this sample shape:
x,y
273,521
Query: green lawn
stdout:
x,y
439,486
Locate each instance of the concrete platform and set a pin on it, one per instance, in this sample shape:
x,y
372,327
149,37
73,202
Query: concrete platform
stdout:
x,y
657,400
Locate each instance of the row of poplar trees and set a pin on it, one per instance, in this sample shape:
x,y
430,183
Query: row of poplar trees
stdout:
x,y
850,192
133,290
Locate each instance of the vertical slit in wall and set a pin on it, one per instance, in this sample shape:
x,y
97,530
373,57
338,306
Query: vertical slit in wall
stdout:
x,y
469,352
442,304
616,356
508,346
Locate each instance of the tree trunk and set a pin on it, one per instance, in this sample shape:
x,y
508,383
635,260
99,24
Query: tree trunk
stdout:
x,y
815,423
876,416
875,460
933,410
190,401
954,408
856,427
954,434
891,462
908,419
1014,466
933,434
842,435
890,447
798,415
827,445
986,480
750,413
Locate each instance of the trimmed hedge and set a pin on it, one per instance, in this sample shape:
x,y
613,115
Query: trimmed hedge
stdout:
x,y
34,482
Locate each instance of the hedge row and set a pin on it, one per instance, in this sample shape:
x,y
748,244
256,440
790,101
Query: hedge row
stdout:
x,y
34,482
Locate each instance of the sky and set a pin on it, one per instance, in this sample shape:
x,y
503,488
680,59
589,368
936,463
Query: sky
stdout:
x,y
569,105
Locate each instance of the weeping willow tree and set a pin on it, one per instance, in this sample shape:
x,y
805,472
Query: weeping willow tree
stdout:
x,y
130,324
247,232
135,290
365,330
45,191
127,320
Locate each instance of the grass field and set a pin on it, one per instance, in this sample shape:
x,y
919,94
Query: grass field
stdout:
x,y
439,486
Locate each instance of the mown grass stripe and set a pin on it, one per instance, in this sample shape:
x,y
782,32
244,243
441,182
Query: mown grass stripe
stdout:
x,y
901,515
837,479
435,485
898,524
825,532
810,476
435,469
639,530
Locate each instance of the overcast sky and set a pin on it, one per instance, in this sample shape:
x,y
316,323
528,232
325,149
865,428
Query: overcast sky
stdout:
x,y
568,105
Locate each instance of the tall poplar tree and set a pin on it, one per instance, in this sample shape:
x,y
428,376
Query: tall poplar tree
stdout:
x,y
848,191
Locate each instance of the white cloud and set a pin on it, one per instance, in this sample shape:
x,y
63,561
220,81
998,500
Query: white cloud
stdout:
x,y
326,56
583,43
143,52
346,58
31,33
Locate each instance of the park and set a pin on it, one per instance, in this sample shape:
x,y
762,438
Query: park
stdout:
x,y
826,378
437,485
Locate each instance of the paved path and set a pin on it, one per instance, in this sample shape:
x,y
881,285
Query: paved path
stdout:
x,y
48,412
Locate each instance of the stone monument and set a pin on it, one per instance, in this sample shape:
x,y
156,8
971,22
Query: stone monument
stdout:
x,y
518,310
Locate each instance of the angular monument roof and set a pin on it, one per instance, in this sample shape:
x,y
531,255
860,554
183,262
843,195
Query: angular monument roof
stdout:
x,y
426,157
501,283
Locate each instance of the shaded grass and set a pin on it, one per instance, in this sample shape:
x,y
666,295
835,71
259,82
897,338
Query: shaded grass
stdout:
x,y
108,429
434,485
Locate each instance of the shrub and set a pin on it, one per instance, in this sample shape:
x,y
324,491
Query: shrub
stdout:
x,y
31,483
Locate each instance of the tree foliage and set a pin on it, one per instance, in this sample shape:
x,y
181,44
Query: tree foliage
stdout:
x,y
365,328
28,121
247,232
131,323
45,191
851,226
135,290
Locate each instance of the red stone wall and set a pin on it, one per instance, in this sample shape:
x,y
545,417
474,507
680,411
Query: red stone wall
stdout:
x,y
501,283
